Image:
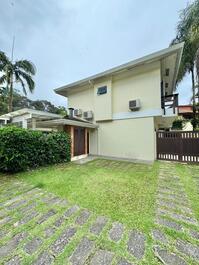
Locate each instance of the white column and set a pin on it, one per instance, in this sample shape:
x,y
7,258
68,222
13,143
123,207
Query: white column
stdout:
x,y
33,123
24,124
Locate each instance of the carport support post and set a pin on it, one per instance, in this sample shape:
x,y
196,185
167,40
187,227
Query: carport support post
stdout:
x,y
33,124
24,124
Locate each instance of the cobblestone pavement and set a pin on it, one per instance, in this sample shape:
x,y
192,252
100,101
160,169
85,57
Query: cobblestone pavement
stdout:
x,y
37,227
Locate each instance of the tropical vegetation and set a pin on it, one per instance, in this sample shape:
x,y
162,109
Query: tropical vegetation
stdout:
x,y
20,101
22,149
188,32
16,72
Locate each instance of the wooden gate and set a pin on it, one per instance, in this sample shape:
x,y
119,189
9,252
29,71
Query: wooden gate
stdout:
x,y
178,146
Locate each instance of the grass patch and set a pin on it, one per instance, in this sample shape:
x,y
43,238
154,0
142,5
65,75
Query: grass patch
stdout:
x,y
123,191
190,177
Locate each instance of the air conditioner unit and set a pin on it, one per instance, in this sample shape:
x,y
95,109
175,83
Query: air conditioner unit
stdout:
x,y
78,112
134,104
88,115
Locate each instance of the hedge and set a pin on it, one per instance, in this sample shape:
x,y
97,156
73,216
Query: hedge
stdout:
x,y
22,149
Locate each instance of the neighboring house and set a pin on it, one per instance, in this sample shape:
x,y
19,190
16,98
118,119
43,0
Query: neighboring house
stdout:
x,y
28,119
185,111
127,103
117,112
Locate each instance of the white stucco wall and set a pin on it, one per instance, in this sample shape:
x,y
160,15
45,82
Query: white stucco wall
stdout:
x,y
122,137
130,139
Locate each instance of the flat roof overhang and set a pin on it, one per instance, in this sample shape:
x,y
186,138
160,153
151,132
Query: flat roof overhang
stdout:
x,y
157,56
33,114
61,122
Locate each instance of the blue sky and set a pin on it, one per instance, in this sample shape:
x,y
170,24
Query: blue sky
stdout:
x,y
71,39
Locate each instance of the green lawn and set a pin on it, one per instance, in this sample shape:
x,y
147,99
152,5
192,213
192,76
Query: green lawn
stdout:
x,y
121,190
125,192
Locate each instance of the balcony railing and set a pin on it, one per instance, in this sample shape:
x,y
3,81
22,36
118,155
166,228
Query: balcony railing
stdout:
x,y
170,102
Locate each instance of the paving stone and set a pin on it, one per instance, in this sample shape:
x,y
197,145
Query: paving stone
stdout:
x,y
33,245
3,233
82,252
194,234
54,200
59,245
188,249
59,221
170,204
136,244
159,236
169,224
44,258
14,261
49,231
5,220
71,211
168,258
116,231
177,216
102,257
3,213
12,244
27,207
83,217
63,203
11,201
186,219
16,204
123,262
99,224
46,216
27,218
173,196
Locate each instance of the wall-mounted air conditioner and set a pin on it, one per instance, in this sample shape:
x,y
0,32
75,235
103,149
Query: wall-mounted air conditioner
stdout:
x,y
88,115
78,112
134,104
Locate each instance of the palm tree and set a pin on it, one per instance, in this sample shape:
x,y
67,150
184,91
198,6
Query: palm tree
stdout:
x,y
20,72
187,32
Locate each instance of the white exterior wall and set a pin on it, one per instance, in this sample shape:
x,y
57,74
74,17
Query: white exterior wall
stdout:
x,y
123,133
127,139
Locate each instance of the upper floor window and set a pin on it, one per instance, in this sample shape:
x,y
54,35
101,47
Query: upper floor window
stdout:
x,y
102,90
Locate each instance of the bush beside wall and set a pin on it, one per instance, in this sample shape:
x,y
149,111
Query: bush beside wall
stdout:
x,y
22,149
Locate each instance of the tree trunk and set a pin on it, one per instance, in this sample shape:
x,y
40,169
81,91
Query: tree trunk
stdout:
x,y
194,97
10,95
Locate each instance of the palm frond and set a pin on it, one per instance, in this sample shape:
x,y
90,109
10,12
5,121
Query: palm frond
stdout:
x,y
27,78
3,79
19,80
4,60
26,66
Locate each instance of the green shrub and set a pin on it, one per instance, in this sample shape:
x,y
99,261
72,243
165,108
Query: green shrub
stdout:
x,y
21,149
178,124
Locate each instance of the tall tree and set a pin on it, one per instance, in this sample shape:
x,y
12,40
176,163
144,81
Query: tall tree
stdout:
x,y
21,72
188,32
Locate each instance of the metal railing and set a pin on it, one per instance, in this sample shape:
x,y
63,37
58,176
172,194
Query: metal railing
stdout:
x,y
169,101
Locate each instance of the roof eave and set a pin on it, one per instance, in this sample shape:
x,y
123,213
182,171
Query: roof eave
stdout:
x,y
151,57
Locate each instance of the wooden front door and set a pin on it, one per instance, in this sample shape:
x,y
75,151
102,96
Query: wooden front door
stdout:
x,y
79,141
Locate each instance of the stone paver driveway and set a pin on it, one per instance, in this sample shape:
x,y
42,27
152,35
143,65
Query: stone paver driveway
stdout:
x,y
37,227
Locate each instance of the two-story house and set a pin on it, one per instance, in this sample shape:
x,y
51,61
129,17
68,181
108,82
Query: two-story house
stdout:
x,y
117,112
125,105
